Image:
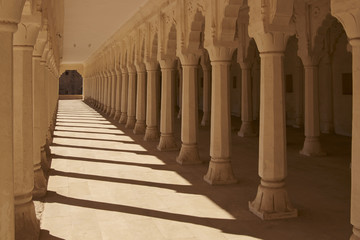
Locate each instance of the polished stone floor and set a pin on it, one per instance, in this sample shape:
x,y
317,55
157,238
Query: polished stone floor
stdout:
x,y
107,183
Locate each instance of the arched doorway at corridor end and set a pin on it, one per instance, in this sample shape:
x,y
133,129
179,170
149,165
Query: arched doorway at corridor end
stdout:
x,y
70,85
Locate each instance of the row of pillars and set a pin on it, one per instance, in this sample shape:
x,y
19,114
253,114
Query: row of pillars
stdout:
x,y
29,90
114,92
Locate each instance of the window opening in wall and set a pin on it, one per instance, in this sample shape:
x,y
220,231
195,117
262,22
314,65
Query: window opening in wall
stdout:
x,y
289,83
234,82
347,83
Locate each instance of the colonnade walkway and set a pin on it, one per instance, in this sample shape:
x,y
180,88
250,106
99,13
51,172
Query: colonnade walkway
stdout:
x,y
107,183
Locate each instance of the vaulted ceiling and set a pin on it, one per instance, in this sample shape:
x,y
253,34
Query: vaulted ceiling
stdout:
x,y
87,24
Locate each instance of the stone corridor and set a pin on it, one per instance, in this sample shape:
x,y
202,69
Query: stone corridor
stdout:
x,y
107,183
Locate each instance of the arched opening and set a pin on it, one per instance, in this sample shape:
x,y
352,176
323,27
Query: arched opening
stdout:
x,y
70,85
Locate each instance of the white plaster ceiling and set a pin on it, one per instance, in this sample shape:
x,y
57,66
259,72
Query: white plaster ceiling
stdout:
x,y
88,23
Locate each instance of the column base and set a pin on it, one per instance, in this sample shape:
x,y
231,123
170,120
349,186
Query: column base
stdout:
x,y
112,113
312,147
108,111
327,128
40,183
272,202
151,134
220,172
179,114
139,127
130,122
205,120
49,138
45,162
123,118
189,154
103,108
117,115
247,130
298,123
167,143
356,234
27,227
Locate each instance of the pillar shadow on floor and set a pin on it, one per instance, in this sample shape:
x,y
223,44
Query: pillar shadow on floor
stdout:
x,y
45,235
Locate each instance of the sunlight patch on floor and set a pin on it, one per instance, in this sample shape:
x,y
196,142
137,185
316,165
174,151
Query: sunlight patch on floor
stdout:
x,y
115,146
88,129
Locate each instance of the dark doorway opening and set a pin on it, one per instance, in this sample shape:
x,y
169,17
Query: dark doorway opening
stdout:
x,y
71,83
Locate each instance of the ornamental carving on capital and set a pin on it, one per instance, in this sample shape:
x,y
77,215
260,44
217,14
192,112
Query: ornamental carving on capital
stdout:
x,y
169,18
153,28
195,6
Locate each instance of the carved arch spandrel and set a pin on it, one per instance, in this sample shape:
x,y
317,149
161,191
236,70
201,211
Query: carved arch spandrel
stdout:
x,y
140,49
312,21
190,27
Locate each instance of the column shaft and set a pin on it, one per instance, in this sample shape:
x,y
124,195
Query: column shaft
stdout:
x,y
113,94
328,123
140,103
180,91
26,223
312,146
299,94
355,152
247,128
109,80
7,229
38,89
272,200
206,96
167,140
151,131
220,170
130,123
118,95
124,97
189,117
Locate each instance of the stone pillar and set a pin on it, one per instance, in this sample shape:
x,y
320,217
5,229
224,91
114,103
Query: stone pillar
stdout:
x,y
26,224
98,91
103,91
107,83
151,131
109,92
180,90
140,125
348,13
118,95
124,96
206,95
7,229
95,89
113,94
355,152
189,153
45,149
167,140
40,182
48,82
328,123
131,110
272,200
220,170
312,146
247,128
299,94
99,88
